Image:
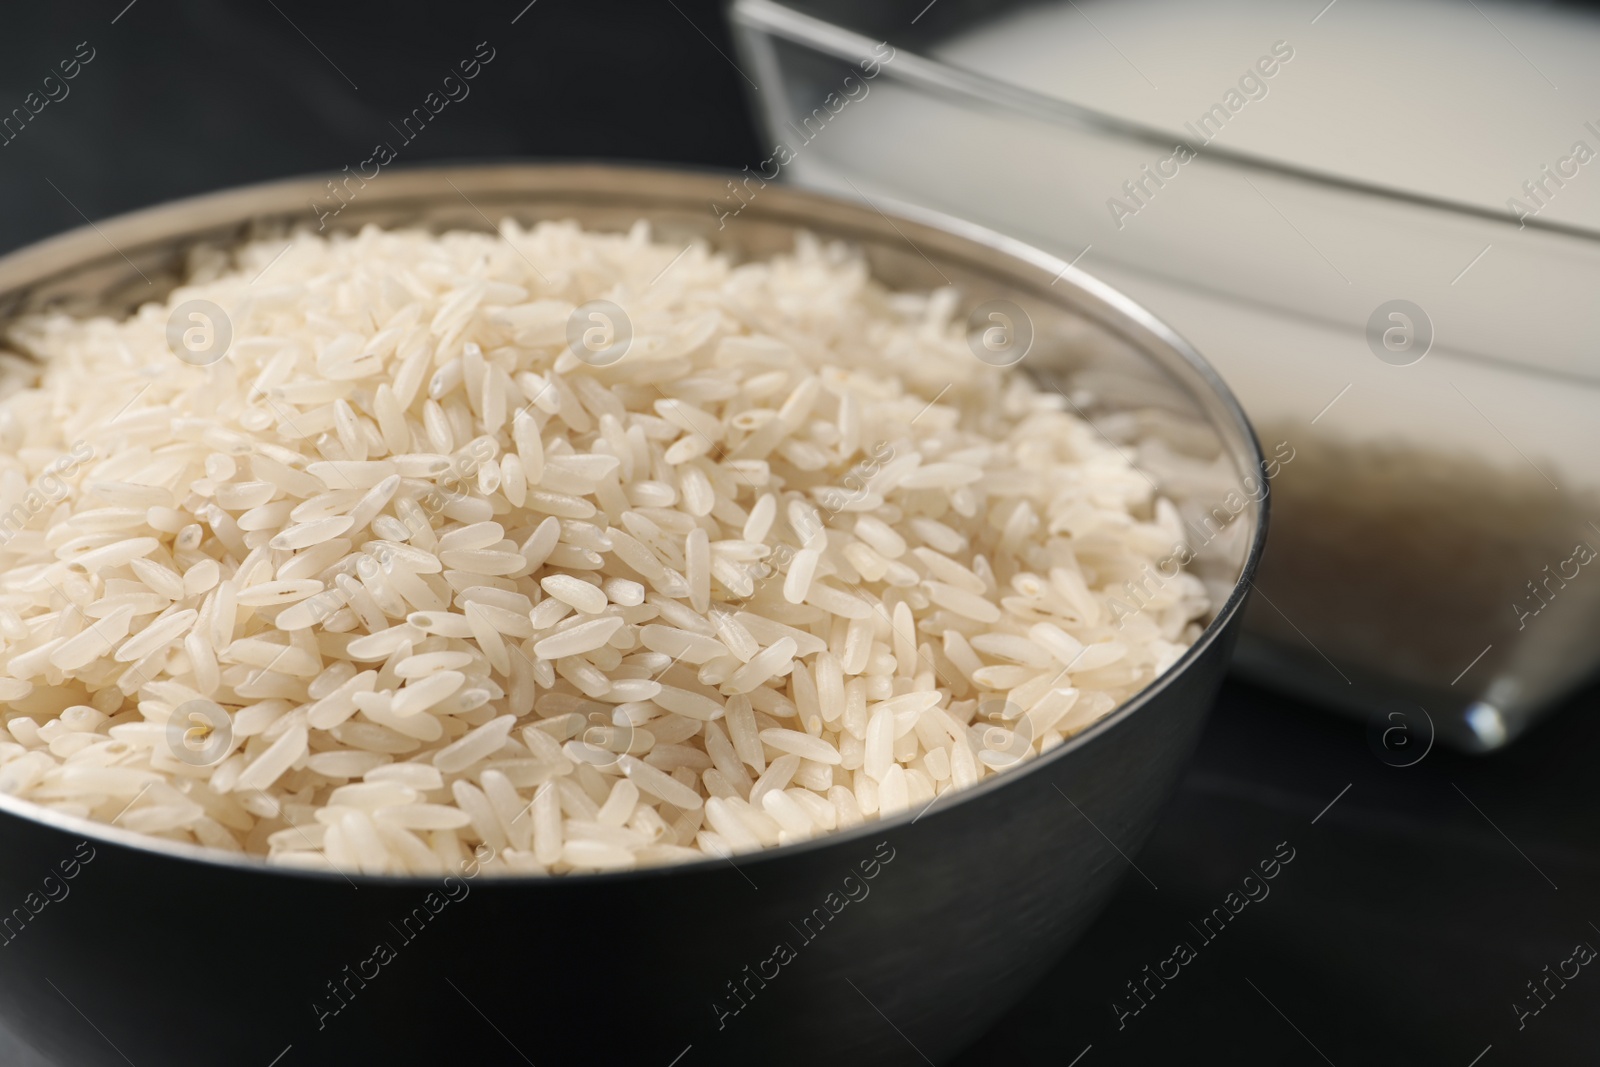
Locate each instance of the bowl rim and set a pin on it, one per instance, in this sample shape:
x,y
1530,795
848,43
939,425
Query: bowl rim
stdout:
x,y
65,252
797,26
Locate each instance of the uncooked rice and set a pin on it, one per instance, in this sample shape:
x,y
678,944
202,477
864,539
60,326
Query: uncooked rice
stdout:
x,y
796,561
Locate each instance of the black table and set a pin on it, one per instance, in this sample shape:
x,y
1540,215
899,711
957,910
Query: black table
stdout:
x,y
1419,904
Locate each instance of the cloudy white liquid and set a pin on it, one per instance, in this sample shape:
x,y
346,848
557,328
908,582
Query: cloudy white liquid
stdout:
x,y
1273,278
1432,96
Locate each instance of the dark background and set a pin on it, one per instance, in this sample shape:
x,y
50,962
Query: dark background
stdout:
x,y
186,96
1417,906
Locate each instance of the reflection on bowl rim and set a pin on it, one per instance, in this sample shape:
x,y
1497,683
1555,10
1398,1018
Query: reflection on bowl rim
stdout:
x,y
176,219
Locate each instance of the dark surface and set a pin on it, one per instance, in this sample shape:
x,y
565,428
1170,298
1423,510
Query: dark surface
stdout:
x,y
1407,924
1402,932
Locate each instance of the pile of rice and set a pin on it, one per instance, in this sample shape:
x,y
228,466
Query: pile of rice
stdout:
x,y
401,573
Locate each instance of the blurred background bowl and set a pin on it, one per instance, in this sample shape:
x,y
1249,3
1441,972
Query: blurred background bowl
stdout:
x,y
1432,506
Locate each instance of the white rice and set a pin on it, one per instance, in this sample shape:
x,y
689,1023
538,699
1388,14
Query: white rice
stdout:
x,y
402,573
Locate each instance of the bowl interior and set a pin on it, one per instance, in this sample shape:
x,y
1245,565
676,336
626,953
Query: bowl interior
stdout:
x,y
1142,387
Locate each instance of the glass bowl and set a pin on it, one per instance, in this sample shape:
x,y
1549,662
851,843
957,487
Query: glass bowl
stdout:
x,y
1423,371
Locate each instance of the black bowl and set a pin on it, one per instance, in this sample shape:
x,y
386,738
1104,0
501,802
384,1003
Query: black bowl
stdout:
x,y
896,942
